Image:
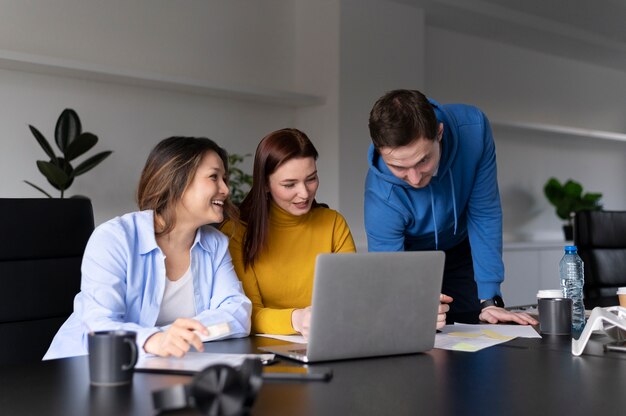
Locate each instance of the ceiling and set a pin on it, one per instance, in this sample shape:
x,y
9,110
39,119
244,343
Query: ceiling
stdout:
x,y
588,30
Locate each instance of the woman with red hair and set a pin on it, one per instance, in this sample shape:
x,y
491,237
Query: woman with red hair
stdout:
x,y
281,231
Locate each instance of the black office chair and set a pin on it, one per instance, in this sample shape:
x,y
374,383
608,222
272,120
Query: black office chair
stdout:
x,y
41,248
601,240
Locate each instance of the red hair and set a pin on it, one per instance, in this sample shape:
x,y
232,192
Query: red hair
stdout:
x,y
274,150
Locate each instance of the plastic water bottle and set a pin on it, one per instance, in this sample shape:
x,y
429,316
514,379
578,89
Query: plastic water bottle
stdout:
x,y
572,281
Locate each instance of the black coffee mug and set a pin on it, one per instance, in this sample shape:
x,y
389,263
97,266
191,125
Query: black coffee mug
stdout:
x,y
555,316
112,357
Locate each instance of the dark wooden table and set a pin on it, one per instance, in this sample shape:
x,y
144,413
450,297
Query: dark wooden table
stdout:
x,y
521,377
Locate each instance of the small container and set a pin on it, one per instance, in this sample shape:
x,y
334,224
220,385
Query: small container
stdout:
x,y
555,312
572,273
112,357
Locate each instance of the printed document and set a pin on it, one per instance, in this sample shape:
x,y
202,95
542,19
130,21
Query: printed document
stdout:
x,y
472,338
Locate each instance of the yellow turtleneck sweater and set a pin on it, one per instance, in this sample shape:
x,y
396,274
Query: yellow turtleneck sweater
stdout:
x,y
281,278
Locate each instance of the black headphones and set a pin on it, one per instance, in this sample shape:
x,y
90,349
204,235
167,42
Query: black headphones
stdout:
x,y
218,390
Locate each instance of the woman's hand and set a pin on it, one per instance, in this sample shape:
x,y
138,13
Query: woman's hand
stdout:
x,y
443,309
177,339
301,321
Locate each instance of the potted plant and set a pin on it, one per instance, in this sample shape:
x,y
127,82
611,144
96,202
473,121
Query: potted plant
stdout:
x,y
239,181
568,198
72,142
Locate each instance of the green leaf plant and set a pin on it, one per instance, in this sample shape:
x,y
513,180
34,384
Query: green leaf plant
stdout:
x,y
72,142
239,181
568,198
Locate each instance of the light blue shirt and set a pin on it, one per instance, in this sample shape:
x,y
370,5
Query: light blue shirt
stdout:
x,y
123,280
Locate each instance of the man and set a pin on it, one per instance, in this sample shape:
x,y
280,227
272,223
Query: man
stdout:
x,y
432,185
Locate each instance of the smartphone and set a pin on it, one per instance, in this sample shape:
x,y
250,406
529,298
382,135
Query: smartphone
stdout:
x,y
291,372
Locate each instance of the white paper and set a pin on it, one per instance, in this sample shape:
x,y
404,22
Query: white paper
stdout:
x,y
195,361
296,339
216,331
521,331
472,338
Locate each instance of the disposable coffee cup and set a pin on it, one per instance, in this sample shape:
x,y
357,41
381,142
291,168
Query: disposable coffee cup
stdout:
x,y
555,313
621,295
112,357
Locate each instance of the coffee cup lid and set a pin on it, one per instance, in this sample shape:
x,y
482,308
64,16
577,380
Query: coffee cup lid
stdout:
x,y
550,293
621,290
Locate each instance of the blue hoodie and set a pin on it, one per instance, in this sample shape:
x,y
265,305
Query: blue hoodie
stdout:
x,y
463,199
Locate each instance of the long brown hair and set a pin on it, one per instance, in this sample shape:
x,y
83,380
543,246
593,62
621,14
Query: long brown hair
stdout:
x,y
275,149
169,170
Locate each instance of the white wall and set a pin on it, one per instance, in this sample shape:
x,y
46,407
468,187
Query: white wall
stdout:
x,y
235,41
347,51
514,84
381,49
317,69
240,43
128,120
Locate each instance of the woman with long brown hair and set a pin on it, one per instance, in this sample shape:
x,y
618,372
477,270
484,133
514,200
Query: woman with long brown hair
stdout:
x,y
281,231
162,271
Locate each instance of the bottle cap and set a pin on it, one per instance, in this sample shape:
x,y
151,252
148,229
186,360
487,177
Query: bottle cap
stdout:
x,y
550,294
570,248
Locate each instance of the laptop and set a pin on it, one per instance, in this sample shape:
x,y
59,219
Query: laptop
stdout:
x,y
371,304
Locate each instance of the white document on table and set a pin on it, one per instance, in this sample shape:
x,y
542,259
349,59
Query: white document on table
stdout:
x,y
296,339
194,362
472,338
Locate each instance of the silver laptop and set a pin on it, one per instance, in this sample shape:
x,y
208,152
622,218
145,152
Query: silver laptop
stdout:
x,y
371,304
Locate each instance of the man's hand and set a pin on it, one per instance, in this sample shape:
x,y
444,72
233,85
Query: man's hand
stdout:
x,y
494,315
443,309
177,339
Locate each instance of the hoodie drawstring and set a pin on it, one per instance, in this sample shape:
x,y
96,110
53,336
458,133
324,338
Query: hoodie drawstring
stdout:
x,y
432,207
453,199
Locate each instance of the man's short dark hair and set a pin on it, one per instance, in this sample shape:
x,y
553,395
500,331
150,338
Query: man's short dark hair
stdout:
x,y
401,116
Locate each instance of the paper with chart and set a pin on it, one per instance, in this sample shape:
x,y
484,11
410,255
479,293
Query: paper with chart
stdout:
x,y
471,338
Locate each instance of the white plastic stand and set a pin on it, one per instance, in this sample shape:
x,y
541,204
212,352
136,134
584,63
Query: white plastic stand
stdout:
x,y
611,320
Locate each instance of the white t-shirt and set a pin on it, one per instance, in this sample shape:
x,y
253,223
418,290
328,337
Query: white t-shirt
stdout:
x,y
178,300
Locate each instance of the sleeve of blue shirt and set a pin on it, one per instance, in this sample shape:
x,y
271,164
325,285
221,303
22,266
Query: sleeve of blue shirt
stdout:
x,y
485,222
122,285
117,290
385,222
228,302
123,289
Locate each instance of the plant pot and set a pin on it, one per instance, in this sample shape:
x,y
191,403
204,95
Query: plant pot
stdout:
x,y
568,232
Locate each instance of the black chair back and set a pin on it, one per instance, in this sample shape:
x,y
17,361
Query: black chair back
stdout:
x,y
601,240
41,249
